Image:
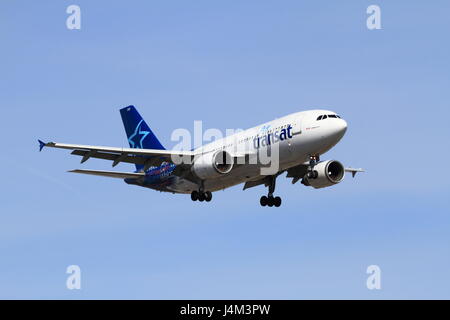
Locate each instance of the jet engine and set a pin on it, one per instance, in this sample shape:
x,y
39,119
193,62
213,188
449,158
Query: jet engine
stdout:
x,y
213,164
326,174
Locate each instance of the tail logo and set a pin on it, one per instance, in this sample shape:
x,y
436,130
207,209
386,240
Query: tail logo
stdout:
x,y
138,136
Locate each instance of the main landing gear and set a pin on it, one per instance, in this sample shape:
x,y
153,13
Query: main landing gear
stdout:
x,y
270,200
201,196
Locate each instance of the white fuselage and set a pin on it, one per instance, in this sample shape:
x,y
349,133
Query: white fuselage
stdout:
x,y
296,137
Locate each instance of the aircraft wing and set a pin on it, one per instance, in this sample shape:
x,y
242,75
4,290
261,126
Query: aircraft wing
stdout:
x,y
354,171
145,157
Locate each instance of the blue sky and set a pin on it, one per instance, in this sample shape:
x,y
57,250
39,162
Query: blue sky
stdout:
x,y
231,64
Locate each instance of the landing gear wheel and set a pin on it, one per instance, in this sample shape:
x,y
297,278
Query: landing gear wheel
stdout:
x,y
263,201
277,201
201,196
270,201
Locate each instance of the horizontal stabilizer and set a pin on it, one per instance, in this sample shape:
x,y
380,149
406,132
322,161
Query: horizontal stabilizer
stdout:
x,y
111,174
41,144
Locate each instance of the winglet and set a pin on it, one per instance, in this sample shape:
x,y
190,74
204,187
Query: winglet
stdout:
x,y
41,145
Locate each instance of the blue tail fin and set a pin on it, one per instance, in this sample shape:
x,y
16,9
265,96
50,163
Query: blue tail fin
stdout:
x,y
139,134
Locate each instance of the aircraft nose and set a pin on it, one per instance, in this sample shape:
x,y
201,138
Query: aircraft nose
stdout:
x,y
343,126
340,128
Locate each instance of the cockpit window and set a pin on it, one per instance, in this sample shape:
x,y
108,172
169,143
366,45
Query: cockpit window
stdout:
x,y
325,116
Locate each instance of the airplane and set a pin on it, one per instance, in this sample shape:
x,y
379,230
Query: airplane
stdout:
x,y
298,140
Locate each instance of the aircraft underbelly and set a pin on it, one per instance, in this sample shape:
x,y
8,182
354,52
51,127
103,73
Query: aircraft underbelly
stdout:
x,y
291,155
239,175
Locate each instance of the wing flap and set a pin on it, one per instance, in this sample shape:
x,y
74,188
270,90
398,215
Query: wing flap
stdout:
x,y
254,183
116,158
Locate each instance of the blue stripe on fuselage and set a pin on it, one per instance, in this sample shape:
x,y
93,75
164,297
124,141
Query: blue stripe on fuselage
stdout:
x,y
158,178
158,174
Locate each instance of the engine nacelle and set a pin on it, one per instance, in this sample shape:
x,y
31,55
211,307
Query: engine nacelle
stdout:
x,y
329,173
212,165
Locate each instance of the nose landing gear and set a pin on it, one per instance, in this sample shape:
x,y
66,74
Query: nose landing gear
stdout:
x,y
312,174
270,200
